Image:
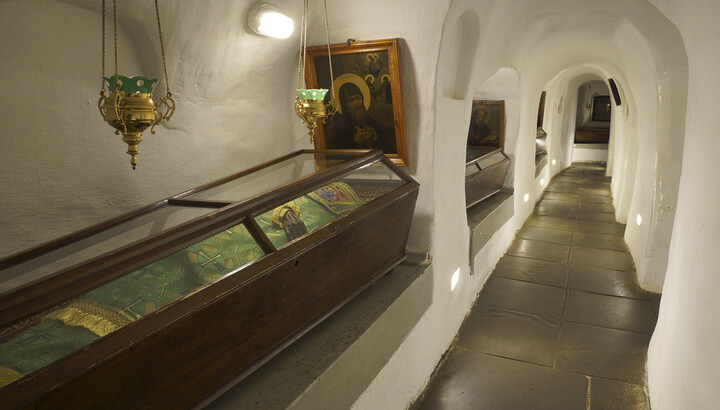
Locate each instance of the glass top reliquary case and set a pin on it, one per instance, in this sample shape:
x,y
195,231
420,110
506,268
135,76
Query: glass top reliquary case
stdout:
x,y
207,284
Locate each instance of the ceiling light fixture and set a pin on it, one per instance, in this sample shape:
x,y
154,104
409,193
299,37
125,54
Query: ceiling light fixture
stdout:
x,y
268,20
455,279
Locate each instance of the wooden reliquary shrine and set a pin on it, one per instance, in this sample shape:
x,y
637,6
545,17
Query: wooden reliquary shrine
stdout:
x,y
485,171
169,304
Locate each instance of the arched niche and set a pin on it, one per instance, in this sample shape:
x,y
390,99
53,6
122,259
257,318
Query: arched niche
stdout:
x,y
461,55
503,85
592,122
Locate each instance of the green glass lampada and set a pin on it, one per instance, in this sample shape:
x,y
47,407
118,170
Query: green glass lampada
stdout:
x,y
129,107
309,103
311,108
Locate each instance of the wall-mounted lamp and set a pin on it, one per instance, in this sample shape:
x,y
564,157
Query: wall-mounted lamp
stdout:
x,y
270,21
638,219
454,280
526,197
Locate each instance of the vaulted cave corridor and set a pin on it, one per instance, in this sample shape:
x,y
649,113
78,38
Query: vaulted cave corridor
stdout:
x,y
544,293
562,322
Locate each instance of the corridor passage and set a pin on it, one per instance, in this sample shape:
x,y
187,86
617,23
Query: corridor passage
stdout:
x,y
561,323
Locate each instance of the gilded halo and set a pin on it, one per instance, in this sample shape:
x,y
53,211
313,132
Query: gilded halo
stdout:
x,y
358,81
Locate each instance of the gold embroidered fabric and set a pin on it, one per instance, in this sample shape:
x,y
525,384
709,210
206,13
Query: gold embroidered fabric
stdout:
x,y
8,376
99,319
279,212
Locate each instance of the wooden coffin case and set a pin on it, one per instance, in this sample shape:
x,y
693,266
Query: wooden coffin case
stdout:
x,y
185,352
485,174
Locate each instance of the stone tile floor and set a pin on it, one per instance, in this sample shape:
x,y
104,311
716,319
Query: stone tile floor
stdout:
x,y
561,323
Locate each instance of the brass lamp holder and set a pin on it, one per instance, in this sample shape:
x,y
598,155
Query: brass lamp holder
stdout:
x,y
310,104
129,107
312,109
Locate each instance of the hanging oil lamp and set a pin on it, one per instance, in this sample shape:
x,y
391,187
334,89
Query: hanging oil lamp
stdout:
x,y
310,104
129,107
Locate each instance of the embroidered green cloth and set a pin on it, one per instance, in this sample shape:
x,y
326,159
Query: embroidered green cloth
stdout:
x,y
37,343
316,209
122,301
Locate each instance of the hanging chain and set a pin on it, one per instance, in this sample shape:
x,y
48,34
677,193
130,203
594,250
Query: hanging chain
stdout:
x,y
103,95
102,88
162,48
303,46
118,96
168,101
306,8
115,39
327,38
303,49
300,68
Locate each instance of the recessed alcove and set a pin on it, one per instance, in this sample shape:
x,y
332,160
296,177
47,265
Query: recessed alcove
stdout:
x,y
489,174
592,122
487,217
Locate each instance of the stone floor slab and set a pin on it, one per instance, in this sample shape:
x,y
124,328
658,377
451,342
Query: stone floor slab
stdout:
x,y
567,178
552,222
609,228
594,190
557,211
545,251
532,270
605,281
523,297
563,188
610,311
595,216
513,335
597,351
546,235
593,207
595,180
599,241
595,199
601,258
559,196
473,380
614,395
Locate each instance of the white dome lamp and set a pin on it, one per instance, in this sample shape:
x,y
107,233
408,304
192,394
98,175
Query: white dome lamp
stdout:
x,y
268,20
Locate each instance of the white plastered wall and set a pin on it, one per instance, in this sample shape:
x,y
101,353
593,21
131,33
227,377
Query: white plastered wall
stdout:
x,y
684,359
64,169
